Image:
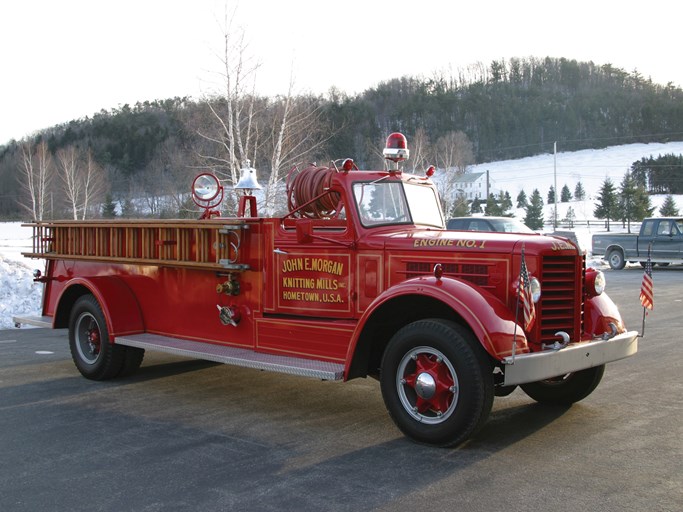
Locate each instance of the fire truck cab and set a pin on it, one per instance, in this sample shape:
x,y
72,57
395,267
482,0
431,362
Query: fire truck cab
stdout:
x,y
359,278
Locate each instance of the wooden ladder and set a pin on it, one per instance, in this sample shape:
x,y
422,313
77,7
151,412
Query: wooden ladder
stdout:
x,y
213,244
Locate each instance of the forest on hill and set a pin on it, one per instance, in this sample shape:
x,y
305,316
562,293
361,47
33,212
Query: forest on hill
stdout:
x,y
143,157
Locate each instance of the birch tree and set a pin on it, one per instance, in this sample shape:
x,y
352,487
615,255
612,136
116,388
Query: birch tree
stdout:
x,y
237,76
82,179
278,132
68,172
36,175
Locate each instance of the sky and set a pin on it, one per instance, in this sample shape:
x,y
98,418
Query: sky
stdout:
x,y
68,59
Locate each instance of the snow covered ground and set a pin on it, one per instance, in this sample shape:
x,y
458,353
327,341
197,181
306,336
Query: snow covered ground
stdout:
x,y
19,295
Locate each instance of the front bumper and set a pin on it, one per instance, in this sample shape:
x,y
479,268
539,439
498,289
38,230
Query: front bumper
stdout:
x,y
536,366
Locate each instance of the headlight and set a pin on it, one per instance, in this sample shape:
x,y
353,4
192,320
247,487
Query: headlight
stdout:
x,y
595,282
535,286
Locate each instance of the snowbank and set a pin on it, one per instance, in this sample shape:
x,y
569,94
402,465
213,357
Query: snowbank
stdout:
x,y
19,295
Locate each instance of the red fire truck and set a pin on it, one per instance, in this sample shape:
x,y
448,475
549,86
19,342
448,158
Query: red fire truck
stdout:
x,y
358,279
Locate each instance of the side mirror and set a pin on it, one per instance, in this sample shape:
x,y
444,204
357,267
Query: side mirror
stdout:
x,y
304,231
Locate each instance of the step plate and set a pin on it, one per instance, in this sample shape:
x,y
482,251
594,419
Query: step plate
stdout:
x,y
37,321
235,356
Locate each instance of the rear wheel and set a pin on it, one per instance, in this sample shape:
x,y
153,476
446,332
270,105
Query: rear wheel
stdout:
x,y
566,389
91,350
436,382
616,259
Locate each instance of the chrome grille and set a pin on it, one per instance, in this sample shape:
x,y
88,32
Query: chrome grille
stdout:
x,y
561,298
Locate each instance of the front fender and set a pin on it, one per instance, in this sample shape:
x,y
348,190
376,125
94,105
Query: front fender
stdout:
x,y
489,319
119,305
599,312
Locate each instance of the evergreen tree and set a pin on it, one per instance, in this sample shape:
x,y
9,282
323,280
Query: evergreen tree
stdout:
x,y
608,202
505,202
476,205
570,218
579,192
565,194
534,212
109,207
521,199
551,195
669,208
492,207
634,201
460,206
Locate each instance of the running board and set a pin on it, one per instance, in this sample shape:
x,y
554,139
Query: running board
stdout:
x,y
235,356
37,321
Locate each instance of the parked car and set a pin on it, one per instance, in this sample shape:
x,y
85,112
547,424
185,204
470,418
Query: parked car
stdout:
x,y
497,224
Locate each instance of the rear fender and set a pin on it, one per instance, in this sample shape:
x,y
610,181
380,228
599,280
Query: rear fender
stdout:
x,y
488,318
119,304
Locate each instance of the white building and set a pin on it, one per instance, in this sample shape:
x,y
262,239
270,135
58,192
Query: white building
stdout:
x,y
473,186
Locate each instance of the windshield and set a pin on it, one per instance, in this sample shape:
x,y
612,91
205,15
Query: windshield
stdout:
x,y
393,202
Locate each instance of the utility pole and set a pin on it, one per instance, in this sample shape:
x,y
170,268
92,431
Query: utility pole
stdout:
x,y
488,184
555,177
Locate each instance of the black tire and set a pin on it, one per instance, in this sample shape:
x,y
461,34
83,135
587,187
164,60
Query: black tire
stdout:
x,y
92,352
437,382
616,260
131,361
567,389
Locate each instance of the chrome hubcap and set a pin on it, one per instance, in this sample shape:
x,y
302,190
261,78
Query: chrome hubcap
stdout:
x,y
427,385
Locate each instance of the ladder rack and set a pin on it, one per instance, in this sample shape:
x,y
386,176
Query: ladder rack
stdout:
x,y
206,244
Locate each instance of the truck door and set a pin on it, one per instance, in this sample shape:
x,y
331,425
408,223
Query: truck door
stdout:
x,y
668,241
313,262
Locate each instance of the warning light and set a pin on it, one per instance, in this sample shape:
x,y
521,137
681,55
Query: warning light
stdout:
x,y
396,148
430,171
349,165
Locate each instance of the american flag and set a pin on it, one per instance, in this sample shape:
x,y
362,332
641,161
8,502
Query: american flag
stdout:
x,y
525,299
647,292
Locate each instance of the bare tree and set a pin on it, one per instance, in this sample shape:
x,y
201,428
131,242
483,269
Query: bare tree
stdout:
x,y
246,128
95,184
419,150
70,175
454,153
36,174
297,132
237,75
82,178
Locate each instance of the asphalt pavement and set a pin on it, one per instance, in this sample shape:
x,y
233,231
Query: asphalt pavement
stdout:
x,y
190,435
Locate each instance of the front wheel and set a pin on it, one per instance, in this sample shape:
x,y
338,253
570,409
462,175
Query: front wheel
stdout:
x,y
566,389
437,382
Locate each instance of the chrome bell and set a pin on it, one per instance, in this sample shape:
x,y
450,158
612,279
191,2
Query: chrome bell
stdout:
x,y
247,179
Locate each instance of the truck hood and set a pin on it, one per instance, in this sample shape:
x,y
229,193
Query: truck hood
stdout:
x,y
468,241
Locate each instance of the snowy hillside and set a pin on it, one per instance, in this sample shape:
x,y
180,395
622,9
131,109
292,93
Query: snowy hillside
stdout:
x,y
19,295
590,167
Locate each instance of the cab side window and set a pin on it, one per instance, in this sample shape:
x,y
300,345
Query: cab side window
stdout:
x,y
664,228
648,227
